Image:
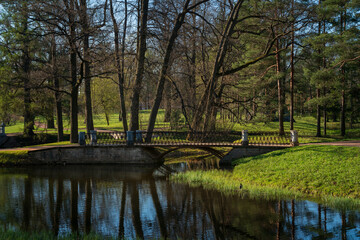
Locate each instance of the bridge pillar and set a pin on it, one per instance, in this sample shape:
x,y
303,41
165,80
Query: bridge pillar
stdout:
x,y
294,138
82,139
2,130
130,138
244,138
139,136
93,137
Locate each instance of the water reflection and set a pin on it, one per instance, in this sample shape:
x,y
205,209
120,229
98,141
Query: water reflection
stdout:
x,y
139,203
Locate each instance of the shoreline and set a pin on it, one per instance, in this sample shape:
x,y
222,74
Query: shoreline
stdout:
x,y
328,174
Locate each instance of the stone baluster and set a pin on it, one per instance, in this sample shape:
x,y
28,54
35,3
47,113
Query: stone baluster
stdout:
x,y
294,138
93,137
82,141
2,130
139,138
130,138
244,138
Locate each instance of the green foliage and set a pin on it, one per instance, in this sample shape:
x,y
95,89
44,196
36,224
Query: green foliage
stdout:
x,y
106,97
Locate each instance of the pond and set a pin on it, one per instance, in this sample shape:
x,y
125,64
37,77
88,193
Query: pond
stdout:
x,y
140,202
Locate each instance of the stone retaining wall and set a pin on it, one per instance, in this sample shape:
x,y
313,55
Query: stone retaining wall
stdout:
x,y
97,155
249,151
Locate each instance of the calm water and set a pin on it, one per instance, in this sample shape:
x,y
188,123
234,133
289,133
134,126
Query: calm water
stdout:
x,y
140,203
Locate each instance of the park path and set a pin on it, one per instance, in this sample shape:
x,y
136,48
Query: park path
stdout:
x,y
35,148
340,143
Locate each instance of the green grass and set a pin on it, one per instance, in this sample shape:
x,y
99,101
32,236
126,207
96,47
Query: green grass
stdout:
x,y
326,172
55,144
14,157
99,123
306,126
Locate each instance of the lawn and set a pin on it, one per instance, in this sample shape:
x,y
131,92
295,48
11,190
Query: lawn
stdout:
x,y
13,157
308,171
306,126
99,123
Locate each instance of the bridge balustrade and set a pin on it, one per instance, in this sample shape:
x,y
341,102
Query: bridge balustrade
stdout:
x,y
173,138
269,138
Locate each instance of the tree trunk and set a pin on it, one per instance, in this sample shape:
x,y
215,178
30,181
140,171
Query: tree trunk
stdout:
x,y
57,95
206,100
351,107
343,106
325,115
292,70
26,62
167,102
192,77
343,100
120,66
215,109
73,71
324,90
87,72
164,68
280,89
134,121
318,115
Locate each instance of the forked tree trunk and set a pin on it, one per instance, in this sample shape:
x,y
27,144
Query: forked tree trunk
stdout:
x,y
206,99
164,68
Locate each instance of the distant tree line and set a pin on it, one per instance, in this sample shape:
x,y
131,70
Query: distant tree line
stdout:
x,y
242,60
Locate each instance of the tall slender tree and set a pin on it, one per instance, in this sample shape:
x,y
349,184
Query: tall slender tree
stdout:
x,y
140,57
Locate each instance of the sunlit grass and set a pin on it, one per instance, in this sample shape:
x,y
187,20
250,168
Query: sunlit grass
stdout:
x,y
99,123
55,144
326,172
306,126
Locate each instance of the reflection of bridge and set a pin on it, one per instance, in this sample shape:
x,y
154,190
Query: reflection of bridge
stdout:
x,y
243,143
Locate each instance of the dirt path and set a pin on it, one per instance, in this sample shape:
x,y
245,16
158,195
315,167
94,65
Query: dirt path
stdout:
x,y
340,143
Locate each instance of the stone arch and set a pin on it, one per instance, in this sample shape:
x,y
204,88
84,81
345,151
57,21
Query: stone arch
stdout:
x,y
214,152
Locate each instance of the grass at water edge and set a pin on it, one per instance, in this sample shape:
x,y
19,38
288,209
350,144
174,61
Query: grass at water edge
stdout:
x,y
263,177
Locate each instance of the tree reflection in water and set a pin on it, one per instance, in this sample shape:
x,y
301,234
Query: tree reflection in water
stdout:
x,y
139,203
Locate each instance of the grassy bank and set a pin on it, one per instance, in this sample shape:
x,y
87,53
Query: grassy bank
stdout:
x,y
16,157
329,173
